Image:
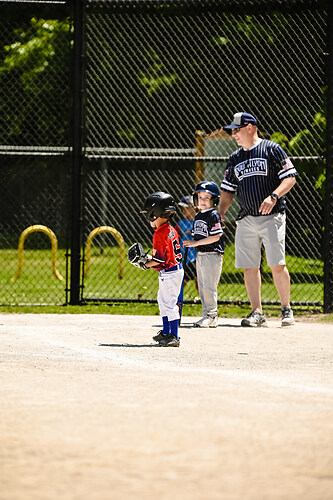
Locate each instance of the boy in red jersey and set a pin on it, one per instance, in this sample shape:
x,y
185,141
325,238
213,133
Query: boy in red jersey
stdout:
x,y
167,260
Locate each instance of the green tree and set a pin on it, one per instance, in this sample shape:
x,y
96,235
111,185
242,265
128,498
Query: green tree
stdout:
x,y
309,142
34,84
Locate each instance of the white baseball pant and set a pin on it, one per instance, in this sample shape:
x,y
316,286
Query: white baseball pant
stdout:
x,y
169,288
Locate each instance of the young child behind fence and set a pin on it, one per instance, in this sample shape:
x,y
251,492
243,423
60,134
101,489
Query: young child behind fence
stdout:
x,y
184,229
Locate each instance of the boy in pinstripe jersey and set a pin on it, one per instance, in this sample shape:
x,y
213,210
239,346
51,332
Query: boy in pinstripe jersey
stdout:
x,y
261,174
209,243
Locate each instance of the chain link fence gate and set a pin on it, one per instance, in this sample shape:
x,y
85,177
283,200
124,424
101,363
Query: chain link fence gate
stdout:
x,y
34,151
159,78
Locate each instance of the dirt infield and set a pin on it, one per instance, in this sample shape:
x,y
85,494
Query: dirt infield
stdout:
x,y
91,409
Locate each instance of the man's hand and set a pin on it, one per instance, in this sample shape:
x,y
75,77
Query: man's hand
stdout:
x,y
267,205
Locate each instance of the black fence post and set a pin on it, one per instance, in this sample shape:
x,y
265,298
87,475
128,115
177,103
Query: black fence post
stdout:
x,y
76,154
328,240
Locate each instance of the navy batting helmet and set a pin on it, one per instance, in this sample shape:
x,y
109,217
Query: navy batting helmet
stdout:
x,y
207,187
158,204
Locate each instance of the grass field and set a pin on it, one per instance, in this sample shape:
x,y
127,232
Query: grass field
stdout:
x,y
37,284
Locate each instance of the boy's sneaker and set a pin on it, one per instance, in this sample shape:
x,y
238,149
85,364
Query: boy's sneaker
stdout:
x,y
213,322
200,322
159,336
287,316
169,341
255,318
207,322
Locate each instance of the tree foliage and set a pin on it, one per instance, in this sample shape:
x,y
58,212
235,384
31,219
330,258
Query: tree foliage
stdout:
x,y
153,79
34,84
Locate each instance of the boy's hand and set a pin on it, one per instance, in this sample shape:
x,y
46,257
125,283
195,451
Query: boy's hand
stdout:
x,y
189,243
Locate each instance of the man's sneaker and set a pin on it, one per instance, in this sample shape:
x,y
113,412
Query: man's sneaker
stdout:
x,y
287,316
169,341
159,336
254,319
207,322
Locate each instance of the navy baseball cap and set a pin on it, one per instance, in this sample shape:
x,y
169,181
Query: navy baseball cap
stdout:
x,y
186,202
241,120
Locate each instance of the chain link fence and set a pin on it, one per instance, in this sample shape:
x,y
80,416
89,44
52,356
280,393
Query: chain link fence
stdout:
x,y
33,229
156,76
114,196
34,152
158,79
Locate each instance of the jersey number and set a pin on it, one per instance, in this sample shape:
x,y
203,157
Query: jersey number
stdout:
x,y
176,251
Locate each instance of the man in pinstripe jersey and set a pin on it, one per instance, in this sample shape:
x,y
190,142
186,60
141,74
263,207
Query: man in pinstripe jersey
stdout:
x,y
261,174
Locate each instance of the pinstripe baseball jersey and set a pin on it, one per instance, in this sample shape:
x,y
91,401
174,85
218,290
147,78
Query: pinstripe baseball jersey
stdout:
x,y
208,223
254,174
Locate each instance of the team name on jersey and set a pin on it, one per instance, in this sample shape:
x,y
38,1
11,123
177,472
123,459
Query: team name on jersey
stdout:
x,y
200,227
252,166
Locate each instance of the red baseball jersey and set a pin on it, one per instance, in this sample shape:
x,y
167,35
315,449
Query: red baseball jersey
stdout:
x,y
166,248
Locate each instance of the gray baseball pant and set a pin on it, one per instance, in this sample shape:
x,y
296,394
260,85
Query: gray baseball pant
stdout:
x,y
209,267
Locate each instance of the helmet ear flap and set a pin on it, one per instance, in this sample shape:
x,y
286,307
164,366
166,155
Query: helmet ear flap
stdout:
x,y
167,215
216,200
195,199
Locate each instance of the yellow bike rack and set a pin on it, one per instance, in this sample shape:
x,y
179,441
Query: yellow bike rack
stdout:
x,y
54,243
121,243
